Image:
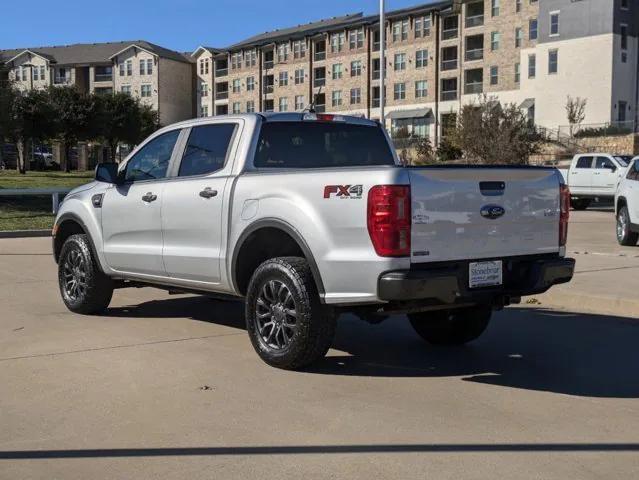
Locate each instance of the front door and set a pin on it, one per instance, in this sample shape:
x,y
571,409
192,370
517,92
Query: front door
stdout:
x,y
131,212
193,205
580,181
605,177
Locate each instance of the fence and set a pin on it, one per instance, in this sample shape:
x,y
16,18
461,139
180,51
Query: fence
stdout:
x,y
599,129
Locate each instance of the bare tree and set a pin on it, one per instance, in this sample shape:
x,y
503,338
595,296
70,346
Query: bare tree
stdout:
x,y
575,112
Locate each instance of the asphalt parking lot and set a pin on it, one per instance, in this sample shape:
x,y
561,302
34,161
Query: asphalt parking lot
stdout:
x,y
169,387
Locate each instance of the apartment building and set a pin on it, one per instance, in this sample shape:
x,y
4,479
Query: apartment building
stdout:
x,y
159,77
440,56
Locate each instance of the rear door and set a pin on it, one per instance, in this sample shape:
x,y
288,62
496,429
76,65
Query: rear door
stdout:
x,y
476,213
605,176
581,174
194,202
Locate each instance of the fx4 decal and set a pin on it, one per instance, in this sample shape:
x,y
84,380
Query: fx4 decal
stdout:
x,y
344,191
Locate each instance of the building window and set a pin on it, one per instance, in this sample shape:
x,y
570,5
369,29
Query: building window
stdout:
x,y
624,4
623,30
356,68
283,104
236,61
299,102
400,31
283,79
299,49
405,27
400,61
421,58
399,91
204,111
337,71
336,98
126,89
494,75
517,6
42,72
519,37
517,72
236,108
129,68
142,67
237,85
299,76
621,113
205,89
250,84
494,8
250,106
356,96
145,91
553,61
495,38
356,39
532,29
421,89
282,52
204,66
337,42
121,70
35,74
250,58
532,66
554,24
422,27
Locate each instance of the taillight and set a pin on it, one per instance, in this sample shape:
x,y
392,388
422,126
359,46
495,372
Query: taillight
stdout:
x,y
564,214
389,219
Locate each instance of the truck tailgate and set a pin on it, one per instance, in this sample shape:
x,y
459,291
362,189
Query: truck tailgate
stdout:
x,y
462,213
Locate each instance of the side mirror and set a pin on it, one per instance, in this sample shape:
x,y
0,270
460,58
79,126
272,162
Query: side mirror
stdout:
x,y
107,173
612,168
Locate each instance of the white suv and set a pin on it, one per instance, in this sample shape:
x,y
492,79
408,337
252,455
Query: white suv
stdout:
x,y
627,205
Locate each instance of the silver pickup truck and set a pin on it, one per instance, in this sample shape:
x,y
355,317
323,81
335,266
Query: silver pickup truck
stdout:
x,y
305,216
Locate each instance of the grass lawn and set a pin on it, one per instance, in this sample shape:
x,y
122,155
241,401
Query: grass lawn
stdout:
x,y
33,213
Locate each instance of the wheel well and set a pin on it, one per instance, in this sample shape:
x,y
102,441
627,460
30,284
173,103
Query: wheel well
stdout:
x,y
64,231
621,202
259,246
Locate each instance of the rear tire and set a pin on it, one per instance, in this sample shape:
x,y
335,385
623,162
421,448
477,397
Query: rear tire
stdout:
x,y
580,203
83,286
451,327
288,326
625,236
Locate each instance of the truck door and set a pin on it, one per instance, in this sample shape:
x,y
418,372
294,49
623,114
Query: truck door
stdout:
x,y
580,176
605,176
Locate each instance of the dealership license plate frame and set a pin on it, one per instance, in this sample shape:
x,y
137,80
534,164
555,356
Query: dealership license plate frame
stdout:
x,y
494,277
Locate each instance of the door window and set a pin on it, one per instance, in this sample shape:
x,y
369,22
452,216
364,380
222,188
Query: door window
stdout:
x,y
152,161
206,149
603,162
633,171
584,162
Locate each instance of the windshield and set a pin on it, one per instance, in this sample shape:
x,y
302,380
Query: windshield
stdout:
x,y
623,160
312,144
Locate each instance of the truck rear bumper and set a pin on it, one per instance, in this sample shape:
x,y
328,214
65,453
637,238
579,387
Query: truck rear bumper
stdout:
x,y
447,283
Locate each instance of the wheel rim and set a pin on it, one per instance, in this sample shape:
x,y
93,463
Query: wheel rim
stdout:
x,y
621,226
74,271
276,315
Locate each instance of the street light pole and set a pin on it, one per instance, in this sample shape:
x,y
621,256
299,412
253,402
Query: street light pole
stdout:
x,y
382,59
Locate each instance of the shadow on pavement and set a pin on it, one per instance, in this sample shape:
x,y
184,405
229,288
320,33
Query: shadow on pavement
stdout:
x,y
535,349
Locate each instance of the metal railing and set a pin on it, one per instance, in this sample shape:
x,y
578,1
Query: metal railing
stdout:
x,y
450,33
449,64
102,77
625,127
474,21
319,56
62,80
23,192
320,108
268,64
376,75
222,95
269,88
447,95
474,54
221,72
319,82
474,87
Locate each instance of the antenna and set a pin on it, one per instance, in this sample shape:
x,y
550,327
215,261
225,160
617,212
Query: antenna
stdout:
x,y
311,107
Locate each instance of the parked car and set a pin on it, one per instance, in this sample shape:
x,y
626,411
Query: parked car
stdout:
x,y
594,176
42,158
627,205
305,216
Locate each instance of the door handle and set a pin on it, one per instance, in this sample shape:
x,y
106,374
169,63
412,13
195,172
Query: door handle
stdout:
x,y
208,193
149,197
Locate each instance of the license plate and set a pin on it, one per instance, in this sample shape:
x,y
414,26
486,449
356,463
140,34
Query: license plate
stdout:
x,y
485,274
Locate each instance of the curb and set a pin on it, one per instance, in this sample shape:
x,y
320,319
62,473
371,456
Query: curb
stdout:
x,y
580,302
25,233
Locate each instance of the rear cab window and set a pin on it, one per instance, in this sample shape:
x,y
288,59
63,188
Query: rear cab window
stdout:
x,y
319,144
206,149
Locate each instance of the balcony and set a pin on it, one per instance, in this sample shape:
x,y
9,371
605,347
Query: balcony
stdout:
x,y
473,87
475,21
474,54
62,80
269,88
376,74
320,108
103,77
450,33
376,102
319,56
319,82
221,72
447,95
268,64
222,95
449,64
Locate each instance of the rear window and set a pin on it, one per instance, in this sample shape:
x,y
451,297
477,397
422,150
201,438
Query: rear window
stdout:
x,y
321,145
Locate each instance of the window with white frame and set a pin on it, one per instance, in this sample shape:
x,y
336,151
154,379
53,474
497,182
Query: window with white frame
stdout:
x,y
405,27
494,75
283,79
554,24
129,68
42,72
145,90
126,89
553,61
400,61
299,102
250,106
356,39
519,37
283,106
356,68
35,73
422,27
250,84
205,89
121,67
337,42
250,58
517,6
421,89
336,98
356,96
495,38
236,60
397,31
532,66
282,52
421,58
399,91
494,8
237,85
517,72
299,76
149,66
337,71
204,111
143,67
204,66
299,49
236,108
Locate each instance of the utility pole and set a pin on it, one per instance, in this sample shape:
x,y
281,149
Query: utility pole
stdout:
x,y
382,59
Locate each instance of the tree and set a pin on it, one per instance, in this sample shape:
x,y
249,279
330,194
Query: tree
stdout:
x,y
424,150
575,112
30,118
7,97
74,118
489,132
447,151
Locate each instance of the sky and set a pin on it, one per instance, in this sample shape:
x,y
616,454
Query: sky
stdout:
x,y
180,25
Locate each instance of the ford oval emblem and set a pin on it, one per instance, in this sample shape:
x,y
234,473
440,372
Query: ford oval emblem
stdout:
x,y
492,212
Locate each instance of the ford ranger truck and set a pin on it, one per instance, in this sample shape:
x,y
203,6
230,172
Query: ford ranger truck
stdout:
x,y
304,216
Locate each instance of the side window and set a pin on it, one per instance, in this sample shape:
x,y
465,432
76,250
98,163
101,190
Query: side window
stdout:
x,y
152,161
633,171
603,162
584,162
206,149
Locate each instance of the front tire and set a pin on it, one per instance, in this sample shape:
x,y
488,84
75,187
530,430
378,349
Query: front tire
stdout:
x,y
625,236
83,286
451,327
288,326
580,203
